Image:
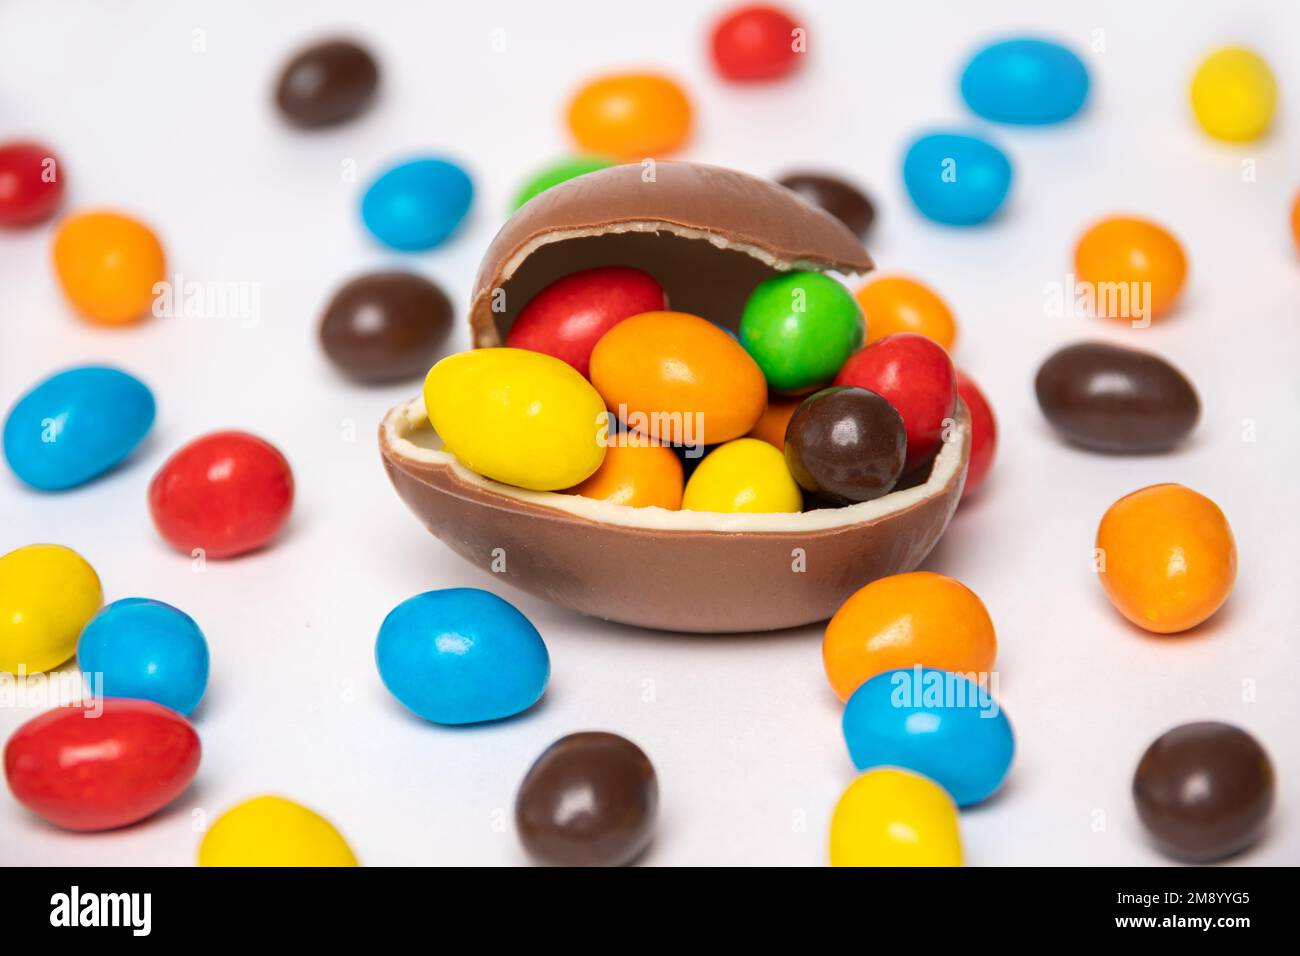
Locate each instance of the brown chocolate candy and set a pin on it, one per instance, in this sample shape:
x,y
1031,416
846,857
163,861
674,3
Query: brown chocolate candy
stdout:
x,y
1106,398
846,445
386,326
841,199
327,83
1204,791
589,800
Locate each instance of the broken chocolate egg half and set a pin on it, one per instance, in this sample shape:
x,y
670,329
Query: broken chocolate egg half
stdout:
x,y
709,236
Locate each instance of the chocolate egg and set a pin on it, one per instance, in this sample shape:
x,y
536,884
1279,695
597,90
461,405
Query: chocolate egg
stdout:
x,y
708,235
1112,399
385,326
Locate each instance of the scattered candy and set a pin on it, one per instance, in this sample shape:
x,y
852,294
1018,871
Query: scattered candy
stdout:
x,y
1136,267
1112,399
461,656
846,445
956,179
757,42
935,723
145,650
891,817
1166,557
416,205
273,831
800,327
327,84
518,417
568,317
742,475
775,419
1025,81
31,184
1295,220
222,495
983,433
895,304
1234,95
638,475
590,799
841,199
83,768
630,115
560,172
1204,791
108,265
47,594
76,425
386,326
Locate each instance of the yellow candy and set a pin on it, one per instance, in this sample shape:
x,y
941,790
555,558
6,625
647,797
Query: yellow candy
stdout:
x,y
747,474
519,417
1234,94
892,817
47,594
273,831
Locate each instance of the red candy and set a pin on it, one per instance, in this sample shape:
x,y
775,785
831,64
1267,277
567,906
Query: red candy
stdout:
x,y
86,772
569,316
915,375
756,43
983,432
31,184
225,493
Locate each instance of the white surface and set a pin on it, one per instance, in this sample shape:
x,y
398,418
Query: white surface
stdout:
x,y
743,730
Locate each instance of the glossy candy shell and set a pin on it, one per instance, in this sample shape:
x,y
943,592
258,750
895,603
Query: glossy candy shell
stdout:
x,y
956,179
273,831
1025,81
145,650
416,205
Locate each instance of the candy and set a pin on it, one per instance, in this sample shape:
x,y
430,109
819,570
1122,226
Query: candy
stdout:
x,y
108,265
76,425
1166,557
385,326
897,304
81,768
590,799
983,433
327,84
915,375
841,199
221,495
1234,95
461,656
1204,791
1134,267
1112,399
31,184
557,173
893,817
905,620
935,723
630,115
145,650
273,831
47,594
742,475
678,378
757,42
638,475
846,445
1295,220
956,179
1025,81
568,317
771,426
800,327
418,204
519,417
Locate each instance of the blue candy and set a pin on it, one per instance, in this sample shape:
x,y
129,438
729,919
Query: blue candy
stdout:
x,y
461,656
956,179
938,724
1028,82
416,205
76,425
145,650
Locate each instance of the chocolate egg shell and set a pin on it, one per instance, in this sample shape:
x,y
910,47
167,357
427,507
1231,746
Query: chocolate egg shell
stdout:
x,y
385,326
1112,399
841,199
326,84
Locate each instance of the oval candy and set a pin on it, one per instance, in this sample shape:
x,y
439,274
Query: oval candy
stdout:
x,y
745,475
843,200
326,84
416,205
47,594
273,831
1025,81
385,326
846,445
892,817
956,179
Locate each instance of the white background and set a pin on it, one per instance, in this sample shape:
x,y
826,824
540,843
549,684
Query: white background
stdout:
x,y
743,730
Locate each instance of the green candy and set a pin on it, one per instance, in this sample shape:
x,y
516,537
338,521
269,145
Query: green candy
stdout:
x,y
560,172
800,327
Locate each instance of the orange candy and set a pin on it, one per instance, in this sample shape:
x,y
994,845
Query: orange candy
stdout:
x,y
639,476
905,620
1119,256
1166,557
898,304
108,265
630,115
774,421
1295,220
